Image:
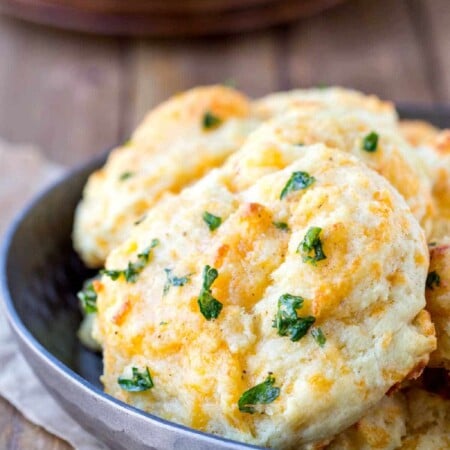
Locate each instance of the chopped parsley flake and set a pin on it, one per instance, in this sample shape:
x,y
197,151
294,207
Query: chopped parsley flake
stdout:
x,y
133,269
297,181
370,142
210,121
262,393
211,220
287,322
311,244
140,381
172,280
281,225
125,175
140,220
318,336
433,279
209,306
88,297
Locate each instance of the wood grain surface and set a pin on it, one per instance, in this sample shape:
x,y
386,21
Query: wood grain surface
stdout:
x,y
75,95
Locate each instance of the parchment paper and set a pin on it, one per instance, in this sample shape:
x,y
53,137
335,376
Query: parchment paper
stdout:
x,y
23,173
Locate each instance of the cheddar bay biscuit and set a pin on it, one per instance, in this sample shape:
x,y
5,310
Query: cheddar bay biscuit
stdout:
x,y
428,421
176,143
411,419
257,310
280,102
418,132
438,300
435,156
172,148
433,147
355,131
382,428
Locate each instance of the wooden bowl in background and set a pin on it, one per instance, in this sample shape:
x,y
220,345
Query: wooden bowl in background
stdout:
x,y
163,18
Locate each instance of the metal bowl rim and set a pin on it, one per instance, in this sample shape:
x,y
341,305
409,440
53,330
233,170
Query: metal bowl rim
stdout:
x,y
52,361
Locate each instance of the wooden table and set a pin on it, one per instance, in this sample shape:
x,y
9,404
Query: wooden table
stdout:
x,y
76,95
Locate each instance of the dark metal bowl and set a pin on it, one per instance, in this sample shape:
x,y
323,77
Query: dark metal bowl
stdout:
x,y
41,275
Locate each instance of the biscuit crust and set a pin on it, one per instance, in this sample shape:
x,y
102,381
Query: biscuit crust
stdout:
x,y
170,149
345,129
434,152
411,419
438,301
367,297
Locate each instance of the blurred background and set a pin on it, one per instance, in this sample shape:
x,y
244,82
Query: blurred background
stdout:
x,y
75,94
76,76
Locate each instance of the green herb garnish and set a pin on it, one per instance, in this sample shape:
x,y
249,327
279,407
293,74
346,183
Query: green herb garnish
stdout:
x,y
140,381
113,274
370,142
312,243
318,336
287,322
262,393
209,306
433,279
133,269
297,181
125,175
210,121
88,298
140,220
281,225
211,220
172,280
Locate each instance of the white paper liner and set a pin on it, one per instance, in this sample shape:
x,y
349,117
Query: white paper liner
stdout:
x,y
23,173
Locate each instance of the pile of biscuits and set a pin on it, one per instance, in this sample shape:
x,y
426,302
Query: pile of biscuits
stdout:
x,y
276,271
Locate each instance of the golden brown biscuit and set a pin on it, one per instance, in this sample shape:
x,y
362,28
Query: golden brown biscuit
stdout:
x,y
435,156
318,237
382,428
348,130
280,102
418,132
411,419
177,143
428,421
438,300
